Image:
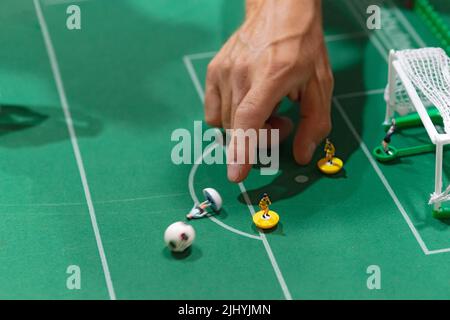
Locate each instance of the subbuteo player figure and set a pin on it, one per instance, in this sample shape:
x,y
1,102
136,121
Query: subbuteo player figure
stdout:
x,y
387,137
329,151
264,204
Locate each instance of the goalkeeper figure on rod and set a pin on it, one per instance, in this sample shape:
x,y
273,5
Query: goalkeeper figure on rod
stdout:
x,y
387,138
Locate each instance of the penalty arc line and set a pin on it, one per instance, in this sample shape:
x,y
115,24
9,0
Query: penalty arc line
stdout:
x,y
76,149
195,199
200,93
275,266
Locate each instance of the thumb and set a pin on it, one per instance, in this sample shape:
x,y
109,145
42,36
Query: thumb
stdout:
x,y
315,121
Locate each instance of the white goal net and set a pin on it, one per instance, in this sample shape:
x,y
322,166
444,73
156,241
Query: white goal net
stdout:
x,y
420,78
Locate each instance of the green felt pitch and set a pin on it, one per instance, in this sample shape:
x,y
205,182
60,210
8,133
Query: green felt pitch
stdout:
x,y
435,22
133,74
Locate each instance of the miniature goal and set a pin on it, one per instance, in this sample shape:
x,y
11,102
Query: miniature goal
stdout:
x,y
419,82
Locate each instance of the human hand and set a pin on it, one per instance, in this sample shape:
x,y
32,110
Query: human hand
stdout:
x,y
278,51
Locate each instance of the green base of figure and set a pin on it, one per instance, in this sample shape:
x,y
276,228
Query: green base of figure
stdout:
x,y
442,213
413,120
395,153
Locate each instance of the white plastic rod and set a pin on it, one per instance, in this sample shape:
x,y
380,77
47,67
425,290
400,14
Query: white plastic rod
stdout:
x,y
415,99
438,174
444,138
390,88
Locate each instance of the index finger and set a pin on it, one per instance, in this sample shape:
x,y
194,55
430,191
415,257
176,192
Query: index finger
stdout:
x,y
250,116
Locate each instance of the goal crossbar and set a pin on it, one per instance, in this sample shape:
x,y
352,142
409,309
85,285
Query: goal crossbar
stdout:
x,y
415,85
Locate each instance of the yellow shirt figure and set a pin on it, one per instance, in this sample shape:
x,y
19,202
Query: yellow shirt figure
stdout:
x,y
330,151
264,203
265,218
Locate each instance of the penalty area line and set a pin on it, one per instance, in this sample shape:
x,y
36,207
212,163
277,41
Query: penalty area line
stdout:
x,y
76,149
271,256
380,174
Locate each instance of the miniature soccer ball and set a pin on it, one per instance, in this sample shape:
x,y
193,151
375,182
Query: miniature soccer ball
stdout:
x,y
179,236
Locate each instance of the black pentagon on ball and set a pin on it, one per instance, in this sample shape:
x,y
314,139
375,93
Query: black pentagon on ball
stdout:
x,y
184,236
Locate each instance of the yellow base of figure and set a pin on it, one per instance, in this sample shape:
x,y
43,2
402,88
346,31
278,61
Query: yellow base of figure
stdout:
x,y
263,223
330,168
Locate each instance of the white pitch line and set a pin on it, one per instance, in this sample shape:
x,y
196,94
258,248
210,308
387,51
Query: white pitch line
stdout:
x,y
75,146
198,87
381,175
421,43
340,109
380,34
194,78
200,55
359,94
374,40
62,204
196,201
272,259
226,226
407,25
56,2
439,251
267,247
159,196
345,36
384,38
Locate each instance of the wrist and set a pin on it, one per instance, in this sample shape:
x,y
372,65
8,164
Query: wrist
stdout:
x,y
289,14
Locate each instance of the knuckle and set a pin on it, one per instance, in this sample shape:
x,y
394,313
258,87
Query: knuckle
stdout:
x,y
225,66
240,68
212,65
240,77
212,68
247,109
281,66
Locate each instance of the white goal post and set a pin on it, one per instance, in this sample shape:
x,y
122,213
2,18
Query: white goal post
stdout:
x,y
418,79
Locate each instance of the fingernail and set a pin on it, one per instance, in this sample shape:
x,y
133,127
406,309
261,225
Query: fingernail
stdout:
x,y
234,172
